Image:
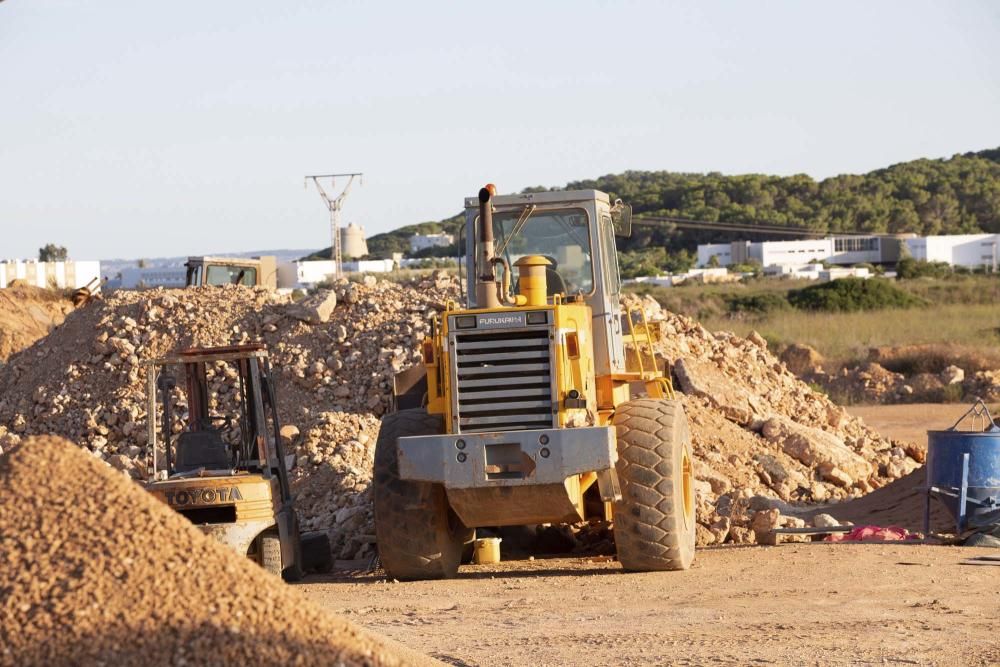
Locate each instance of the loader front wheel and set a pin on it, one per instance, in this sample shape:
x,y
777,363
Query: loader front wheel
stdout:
x,y
654,523
417,533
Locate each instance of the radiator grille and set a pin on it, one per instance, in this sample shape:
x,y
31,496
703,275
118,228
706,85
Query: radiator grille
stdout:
x,y
504,380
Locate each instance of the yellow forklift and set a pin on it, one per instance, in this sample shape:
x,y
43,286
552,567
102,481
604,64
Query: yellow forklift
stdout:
x,y
226,469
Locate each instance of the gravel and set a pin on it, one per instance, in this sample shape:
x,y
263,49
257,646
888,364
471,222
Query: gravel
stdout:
x,y
98,572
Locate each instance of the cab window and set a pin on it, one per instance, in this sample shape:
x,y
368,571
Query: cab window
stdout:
x,y
231,275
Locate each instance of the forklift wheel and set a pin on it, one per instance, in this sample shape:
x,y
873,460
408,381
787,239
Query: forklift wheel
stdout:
x,y
270,558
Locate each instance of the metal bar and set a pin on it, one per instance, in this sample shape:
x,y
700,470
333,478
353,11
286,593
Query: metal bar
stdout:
x,y
494,370
509,382
814,531
507,419
503,344
963,495
523,354
151,412
505,405
472,394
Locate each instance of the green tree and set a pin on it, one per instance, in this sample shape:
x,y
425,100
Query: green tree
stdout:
x,y
52,253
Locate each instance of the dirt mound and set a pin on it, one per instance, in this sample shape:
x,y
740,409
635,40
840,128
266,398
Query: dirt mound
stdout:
x,y
27,314
760,431
96,571
86,381
900,503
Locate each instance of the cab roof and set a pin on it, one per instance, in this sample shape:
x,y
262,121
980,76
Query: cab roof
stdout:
x,y
558,197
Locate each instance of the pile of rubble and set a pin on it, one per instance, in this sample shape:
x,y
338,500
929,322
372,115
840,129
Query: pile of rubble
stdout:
x,y
335,354
872,383
762,436
97,572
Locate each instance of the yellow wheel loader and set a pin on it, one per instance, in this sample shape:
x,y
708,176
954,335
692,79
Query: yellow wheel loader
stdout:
x,y
539,399
226,470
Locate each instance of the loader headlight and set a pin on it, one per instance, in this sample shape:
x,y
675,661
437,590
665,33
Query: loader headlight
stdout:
x,y
465,322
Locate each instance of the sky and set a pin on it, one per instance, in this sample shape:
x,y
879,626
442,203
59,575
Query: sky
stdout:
x,y
139,129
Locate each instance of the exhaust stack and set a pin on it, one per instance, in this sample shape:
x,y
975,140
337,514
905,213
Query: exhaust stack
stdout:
x,y
486,281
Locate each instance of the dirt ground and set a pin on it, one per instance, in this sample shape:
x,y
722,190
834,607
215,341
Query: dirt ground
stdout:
x,y
812,604
911,421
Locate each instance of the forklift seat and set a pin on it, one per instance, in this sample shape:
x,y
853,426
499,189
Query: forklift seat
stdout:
x,y
202,449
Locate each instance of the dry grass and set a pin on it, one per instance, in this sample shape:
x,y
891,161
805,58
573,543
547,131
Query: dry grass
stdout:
x,y
844,338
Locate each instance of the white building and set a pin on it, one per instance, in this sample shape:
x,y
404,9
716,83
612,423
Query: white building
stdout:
x,y
61,275
968,250
421,241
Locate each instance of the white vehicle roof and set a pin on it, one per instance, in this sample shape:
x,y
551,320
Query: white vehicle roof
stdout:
x,y
559,197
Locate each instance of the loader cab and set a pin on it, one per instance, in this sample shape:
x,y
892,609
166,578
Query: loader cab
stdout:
x,y
206,271
575,231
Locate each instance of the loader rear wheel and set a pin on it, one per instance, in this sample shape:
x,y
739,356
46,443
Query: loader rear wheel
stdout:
x,y
654,523
418,535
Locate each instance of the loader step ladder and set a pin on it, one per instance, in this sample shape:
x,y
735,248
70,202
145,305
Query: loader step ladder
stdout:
x,y
640,336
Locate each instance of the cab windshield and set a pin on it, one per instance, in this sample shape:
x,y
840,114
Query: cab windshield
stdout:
x,y
561,236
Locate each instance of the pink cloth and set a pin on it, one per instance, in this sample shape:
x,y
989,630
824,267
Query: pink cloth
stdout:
x,y
872,534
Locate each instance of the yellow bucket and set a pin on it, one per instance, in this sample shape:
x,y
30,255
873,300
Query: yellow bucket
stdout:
x,y
487,550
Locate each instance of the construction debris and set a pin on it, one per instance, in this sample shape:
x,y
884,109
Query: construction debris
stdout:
x,y
86,380
760,434
98,572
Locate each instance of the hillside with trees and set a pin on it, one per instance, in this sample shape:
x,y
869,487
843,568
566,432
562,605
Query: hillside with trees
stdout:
x,y
956,195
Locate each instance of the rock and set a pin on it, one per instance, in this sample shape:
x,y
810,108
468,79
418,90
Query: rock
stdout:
x,y
814,447
719,483
370,281
763,525
757,340
952,375
720,529
289,433
741,535
832,473
703,536
801,359
315,309
766,520
824,521
704,379
927,387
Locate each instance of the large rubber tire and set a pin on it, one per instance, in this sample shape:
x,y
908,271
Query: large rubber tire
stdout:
x,y
417,534
654,523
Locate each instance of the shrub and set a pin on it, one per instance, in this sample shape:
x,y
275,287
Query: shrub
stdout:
x,y
757,304
852,294
909,268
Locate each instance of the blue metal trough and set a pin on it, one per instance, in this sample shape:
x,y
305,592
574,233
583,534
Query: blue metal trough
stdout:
x,y
963,471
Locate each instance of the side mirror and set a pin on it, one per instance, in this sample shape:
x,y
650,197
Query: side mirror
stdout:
x,y
621,218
